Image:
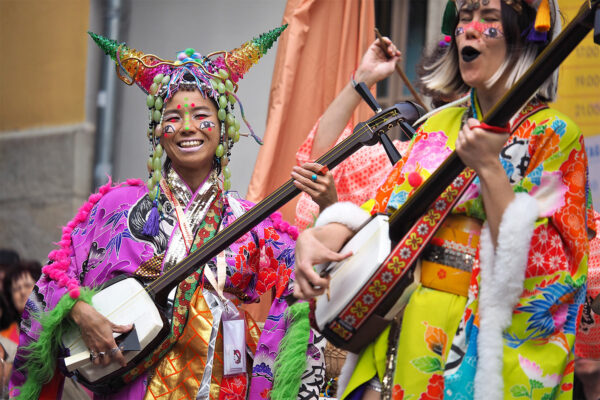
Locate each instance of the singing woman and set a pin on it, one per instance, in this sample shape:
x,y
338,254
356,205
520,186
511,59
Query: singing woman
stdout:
x,y
503,280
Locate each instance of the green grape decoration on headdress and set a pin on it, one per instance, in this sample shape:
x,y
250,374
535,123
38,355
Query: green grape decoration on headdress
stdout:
x,y
216,75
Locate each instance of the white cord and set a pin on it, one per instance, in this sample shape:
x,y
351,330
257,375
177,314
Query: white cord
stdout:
x,y
452,104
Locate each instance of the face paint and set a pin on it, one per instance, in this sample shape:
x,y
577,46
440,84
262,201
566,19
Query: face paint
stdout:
x,y
186,121
207,125
168,130
490,31
472,5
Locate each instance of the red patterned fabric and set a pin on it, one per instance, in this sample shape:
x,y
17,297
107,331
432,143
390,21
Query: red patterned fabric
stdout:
x,y
356,178
587,344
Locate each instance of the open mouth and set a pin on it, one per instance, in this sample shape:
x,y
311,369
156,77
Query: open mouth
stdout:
x,y
469,53
189,144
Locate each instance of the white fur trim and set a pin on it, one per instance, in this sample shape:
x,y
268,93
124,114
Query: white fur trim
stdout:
x,y
502,276
344,213
346,373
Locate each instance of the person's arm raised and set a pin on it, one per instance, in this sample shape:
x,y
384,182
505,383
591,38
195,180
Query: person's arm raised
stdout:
x,y
374,66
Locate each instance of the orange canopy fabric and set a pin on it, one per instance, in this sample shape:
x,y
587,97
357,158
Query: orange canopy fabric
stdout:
x,y
316,57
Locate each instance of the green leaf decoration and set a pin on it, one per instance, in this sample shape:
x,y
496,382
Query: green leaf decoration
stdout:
x,y
536,384
569,280
539,130
547,396
427,364
519,391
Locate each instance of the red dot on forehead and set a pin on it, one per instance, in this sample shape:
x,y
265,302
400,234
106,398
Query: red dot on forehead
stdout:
x,y
178,106
193,105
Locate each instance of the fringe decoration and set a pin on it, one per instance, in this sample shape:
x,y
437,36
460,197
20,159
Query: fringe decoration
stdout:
x,y
61,258
537,37
284,226
41,359
449,18
153,223
291,359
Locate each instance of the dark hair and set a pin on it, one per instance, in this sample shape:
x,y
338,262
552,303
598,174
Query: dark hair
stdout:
x,y
8,257
516,26
32,268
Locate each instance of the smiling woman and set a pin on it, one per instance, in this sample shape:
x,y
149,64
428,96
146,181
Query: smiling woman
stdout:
x,y
212,349
190,135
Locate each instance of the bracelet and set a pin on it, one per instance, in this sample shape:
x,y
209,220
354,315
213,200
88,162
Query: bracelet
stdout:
x,y
352,80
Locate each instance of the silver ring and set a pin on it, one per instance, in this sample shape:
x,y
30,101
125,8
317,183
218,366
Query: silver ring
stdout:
x,y
114,351
101,354
93,355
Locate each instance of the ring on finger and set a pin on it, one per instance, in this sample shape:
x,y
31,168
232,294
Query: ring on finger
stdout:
x,y
313,177
93,355
101,354
114,351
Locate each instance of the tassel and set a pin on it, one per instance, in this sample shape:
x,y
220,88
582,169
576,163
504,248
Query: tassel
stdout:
x,y
291,359
152,224
542,19
449,18
537,37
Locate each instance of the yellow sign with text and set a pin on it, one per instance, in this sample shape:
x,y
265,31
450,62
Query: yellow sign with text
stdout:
x,y
579,79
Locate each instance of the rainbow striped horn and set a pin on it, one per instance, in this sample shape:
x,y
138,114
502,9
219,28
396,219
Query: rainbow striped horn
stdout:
x,y
241,59
137,65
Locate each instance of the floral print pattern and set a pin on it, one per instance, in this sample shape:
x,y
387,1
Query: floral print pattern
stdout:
x,y
544,157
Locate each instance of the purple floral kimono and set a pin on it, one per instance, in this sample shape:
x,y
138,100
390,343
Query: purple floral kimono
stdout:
x,y
110,242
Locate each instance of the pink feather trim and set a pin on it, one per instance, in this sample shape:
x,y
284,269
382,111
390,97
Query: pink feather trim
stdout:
x,y
60,257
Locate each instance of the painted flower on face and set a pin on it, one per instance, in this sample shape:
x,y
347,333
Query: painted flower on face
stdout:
x,y
490,31
533,371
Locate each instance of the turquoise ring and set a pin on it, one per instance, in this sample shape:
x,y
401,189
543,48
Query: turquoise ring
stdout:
x,y
314,177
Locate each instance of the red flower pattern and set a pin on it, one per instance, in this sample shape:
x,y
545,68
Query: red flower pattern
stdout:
x,y
435,388
397,393
233,388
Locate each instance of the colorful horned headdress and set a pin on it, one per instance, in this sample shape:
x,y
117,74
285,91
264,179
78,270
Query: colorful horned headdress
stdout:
x,y
215,75
547,22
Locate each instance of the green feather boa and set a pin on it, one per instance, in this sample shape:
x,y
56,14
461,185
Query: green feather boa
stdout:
x,y
41,360
291,359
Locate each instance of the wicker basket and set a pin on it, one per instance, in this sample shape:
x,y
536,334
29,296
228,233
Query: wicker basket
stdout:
x,y
334,360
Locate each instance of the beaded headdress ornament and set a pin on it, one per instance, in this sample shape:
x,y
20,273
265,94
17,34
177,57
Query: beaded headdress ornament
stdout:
x,y
215,75
546,13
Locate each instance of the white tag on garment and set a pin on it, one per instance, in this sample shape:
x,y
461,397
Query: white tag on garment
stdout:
x,y
234,347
